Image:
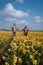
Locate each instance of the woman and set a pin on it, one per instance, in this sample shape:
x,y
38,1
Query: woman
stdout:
x,y
25,31
14,29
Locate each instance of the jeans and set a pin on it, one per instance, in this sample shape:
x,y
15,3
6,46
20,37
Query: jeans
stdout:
x,y
14,33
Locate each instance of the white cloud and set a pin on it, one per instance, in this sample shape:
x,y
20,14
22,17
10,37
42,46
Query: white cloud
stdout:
x,y
9,10
29,10
21,1
38,19
24,22
42,20
16,21
0,22
10,19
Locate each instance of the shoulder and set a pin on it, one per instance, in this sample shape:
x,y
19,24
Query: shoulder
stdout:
x,y
27,29
23,29
12,26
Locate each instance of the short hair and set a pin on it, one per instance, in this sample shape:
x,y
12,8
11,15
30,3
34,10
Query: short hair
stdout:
x,y
14,24
25,26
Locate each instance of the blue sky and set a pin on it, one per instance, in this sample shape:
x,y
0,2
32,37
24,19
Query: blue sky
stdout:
x,y
21,12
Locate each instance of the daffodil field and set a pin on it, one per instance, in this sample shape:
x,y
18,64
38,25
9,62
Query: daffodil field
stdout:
x,y
21,50
5,38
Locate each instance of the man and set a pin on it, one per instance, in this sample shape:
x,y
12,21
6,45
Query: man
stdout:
x,y
14,29
25,31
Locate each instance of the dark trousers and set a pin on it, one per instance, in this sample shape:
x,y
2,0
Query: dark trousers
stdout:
x,y
14,33
25,34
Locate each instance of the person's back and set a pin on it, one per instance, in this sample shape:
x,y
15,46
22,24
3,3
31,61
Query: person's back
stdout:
x,y
25,31
14,29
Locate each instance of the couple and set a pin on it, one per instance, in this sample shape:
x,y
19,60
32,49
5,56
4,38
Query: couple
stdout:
x,y
15,29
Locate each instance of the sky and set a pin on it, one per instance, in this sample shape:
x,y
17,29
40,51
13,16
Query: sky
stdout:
x,y
22,13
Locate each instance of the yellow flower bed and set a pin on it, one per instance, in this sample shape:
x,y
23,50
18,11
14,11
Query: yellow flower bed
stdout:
x,y
5,37
28,49
25,50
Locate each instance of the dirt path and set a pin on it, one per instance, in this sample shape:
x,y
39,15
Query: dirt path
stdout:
x,y
5,49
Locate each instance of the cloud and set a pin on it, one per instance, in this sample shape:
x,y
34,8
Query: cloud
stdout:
x,y
29,10
24,22
20,1
38,19
10,19
0,22
16,21
9,10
